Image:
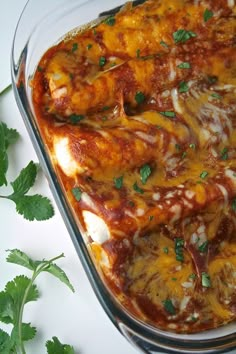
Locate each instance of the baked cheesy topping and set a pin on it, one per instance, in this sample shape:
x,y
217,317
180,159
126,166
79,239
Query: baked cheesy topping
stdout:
x,y
137,113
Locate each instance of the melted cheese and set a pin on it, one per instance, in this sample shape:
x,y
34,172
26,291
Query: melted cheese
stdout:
x,y
151,145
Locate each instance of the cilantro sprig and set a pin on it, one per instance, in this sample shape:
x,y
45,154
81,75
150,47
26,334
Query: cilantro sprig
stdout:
x,y
20,291
32,207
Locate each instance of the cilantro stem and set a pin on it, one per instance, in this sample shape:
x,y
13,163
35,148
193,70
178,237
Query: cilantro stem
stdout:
x,y
6,89
36,273
20,317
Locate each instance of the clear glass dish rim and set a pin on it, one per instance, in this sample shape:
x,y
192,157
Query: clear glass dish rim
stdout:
x,y
143,335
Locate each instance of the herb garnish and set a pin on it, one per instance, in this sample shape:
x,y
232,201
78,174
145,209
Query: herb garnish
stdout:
x,y
216,95
207,15
183,87
102,61
206,280
168,114
110,21
20,291
179,249
203,248
169,307
74,47
89,46
118,182
192,146
234,204
75,118
166,250
139,97
164,44
77,193
224,154
204,174
145,172
137,188
184,65
181,36
138,53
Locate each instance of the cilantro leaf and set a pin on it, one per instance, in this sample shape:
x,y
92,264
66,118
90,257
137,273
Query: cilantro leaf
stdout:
x,y
10,135
77,192
169,307
208,14
60,274
16,289
3,157
139,97
137,188
118,182
27,333
145,172
34,207
6,308
3,166
18,257
5,343
168,114
184,65
25,180
182,36
54,346
183,87
206,280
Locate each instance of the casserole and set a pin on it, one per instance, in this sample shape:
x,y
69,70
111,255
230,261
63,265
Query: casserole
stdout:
x,y
24,64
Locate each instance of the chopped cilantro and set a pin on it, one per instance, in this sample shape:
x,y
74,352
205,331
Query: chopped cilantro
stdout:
x,y
164,44
224,154
212,79
139,97
131,203
183,87
216,95
206,280
89,46
184,154
192,146
234,204
137,188
184,65
74,47
166,250
168,114
179,245
192,276
207,15
118,182
181,36
151,217
138,53
75,118
145,172
102,61
204,174
204,247
174,279
40,69
169,307
77,193
178,147
110,21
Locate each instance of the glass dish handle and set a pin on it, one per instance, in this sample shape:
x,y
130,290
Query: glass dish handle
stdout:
x,y
140,343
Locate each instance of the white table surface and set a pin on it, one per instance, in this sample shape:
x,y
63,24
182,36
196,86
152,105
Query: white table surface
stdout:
x,y
77,319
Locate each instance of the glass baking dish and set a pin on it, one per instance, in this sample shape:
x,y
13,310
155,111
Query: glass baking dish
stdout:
x,y
41,25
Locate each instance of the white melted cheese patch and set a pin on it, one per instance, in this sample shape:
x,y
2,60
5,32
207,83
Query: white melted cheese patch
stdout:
x,y
96,227
64,157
